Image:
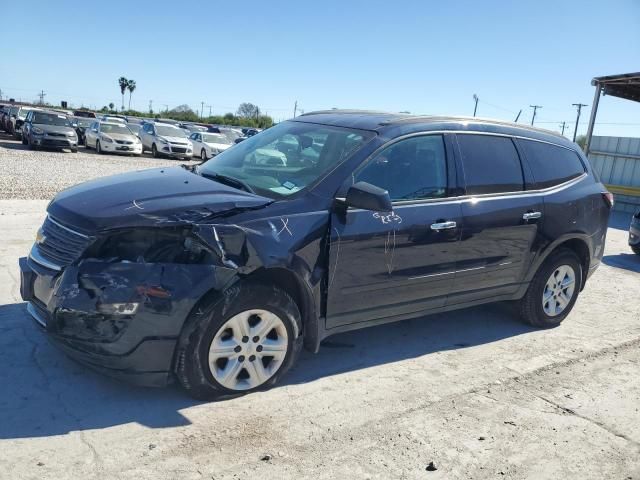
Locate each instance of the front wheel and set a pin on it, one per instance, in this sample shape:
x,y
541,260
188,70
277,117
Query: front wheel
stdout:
x,y
98,148
553,291
636,249
242,341
154,151
203,155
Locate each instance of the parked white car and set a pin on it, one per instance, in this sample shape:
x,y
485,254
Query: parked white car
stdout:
x,y
163,139
208,145
112,137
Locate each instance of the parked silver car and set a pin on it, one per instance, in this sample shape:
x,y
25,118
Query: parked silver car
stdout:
x,y
113,137
44,129
167,140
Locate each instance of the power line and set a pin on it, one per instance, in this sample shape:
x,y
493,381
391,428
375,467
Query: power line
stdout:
x,y
535,109
579,107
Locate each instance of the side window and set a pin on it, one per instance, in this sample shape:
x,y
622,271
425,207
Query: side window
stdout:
x,y
551,165
491,164
411,169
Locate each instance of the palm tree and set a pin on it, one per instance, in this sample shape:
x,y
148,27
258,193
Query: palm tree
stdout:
x,y
123,82
111,106
131,85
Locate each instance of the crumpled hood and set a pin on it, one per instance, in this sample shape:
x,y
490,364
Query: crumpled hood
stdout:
x,y
153,197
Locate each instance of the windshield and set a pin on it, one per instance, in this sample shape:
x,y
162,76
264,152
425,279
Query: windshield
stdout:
x,y
51,119
121,129
215,138
167,131
84,122
286,158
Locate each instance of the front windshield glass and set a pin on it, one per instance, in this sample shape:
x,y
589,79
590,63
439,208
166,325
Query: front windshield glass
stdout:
x,y
121,129
215,138
286,158
167,131
51,119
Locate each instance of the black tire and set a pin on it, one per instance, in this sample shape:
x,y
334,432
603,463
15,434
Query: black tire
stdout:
x,y
192,369
154,151
74,150
98,148
203,155
636,249
531,308
24,140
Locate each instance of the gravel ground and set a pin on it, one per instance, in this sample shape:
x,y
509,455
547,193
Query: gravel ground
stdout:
x,y
34,175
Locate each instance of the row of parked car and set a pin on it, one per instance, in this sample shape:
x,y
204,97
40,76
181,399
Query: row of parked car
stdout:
x,y
61,129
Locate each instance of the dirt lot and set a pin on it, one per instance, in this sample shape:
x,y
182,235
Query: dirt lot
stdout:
x,y
476,392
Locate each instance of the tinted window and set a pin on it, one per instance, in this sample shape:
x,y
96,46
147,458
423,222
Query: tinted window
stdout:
x,y
491,164
411,169
551,165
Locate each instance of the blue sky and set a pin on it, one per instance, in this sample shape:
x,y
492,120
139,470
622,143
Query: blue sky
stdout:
x,y
420,56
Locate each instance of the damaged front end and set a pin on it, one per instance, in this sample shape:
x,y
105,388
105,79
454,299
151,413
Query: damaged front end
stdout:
x,y
120,304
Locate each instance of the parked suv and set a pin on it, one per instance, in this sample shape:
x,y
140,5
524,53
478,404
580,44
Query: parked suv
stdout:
x,y
634,233
163,139
49,130
218,274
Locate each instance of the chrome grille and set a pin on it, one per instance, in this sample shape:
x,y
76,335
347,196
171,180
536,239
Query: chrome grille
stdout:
x,y
59,244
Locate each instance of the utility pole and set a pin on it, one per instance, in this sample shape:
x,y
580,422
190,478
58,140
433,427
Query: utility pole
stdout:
x,y
579,107
201,109
42,95
517,116
295,109
0,94
475,107
563,126
535,108
210,107
150,106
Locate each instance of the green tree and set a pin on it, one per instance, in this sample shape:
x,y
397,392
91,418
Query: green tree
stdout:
x,y
581,140
248,110
111,106
124,83
131,86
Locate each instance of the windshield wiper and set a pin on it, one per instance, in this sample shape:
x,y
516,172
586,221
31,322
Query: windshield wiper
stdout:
x,y
227,180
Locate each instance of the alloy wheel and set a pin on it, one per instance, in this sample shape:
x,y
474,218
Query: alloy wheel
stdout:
x,y
248,349
559,290
203,155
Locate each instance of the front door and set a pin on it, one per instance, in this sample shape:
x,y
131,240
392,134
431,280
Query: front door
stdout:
x,y
386,264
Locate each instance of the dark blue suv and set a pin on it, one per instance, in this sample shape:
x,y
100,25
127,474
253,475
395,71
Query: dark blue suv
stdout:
x,y
217,275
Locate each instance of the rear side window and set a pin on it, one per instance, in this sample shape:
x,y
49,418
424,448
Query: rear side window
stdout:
x,y
551,165
491,164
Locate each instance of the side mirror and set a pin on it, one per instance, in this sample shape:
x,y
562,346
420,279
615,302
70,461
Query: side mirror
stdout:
x,y
368,197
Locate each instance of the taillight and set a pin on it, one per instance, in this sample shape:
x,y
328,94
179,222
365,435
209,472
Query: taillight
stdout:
x,y
608,198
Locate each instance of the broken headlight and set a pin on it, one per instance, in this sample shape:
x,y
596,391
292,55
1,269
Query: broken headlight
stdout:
x,y
151,245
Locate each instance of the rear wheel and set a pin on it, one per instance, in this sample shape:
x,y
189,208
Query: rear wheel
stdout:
x,y
244,340
553,291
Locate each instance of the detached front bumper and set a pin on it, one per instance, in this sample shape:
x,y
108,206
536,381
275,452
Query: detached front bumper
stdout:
x,y
88,311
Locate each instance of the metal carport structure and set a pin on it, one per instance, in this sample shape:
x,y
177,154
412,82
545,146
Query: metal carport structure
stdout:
x,y
626,85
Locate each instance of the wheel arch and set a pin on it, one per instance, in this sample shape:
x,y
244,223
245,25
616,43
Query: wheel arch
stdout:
x,y
580,245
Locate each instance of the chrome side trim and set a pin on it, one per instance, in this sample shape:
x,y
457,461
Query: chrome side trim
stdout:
x,y
446,273
34,255
36,316
67,228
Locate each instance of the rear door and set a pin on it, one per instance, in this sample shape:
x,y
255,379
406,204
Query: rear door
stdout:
x,y
502,220
384,264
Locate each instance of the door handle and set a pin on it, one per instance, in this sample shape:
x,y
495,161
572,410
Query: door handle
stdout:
x,y
443,226
531,215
